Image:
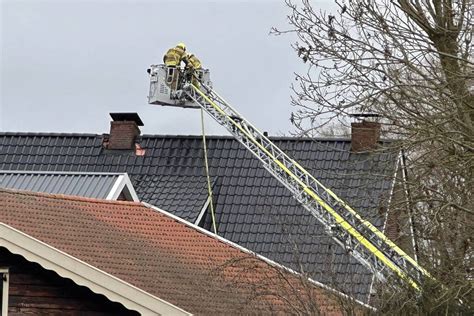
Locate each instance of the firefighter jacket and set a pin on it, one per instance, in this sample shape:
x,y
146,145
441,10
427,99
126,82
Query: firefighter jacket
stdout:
x,y
193,62
174,56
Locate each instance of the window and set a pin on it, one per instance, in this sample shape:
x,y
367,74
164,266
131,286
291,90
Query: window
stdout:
x,y
4,291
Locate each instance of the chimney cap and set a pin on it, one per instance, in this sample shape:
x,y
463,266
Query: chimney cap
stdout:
x,y
127,116
364,115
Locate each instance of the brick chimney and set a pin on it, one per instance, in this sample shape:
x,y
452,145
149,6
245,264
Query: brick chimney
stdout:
x,y
124,131
364,136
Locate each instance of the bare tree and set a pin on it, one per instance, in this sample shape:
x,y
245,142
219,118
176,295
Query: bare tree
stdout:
x,y
411,62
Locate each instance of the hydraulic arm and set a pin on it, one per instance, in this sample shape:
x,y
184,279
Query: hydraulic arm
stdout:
x,y
359,237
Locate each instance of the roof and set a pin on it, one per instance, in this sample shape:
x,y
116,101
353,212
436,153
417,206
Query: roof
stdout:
x,y
82,273
107,186
157,255
253,209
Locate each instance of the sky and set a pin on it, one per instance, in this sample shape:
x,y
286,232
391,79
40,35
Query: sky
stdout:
x,y
65,65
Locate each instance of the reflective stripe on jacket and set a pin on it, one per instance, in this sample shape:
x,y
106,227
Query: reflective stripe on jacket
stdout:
x,y
173,56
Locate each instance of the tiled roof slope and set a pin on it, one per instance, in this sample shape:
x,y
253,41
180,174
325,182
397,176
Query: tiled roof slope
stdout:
x,y
93,185
253,209
162,256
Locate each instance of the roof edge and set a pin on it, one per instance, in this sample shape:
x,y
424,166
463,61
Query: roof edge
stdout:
x,y
69,197
84,274
47,134
271,137
63,172
267,260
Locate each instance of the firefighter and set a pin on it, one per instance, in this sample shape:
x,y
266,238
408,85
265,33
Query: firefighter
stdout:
x,y
193,65
172,59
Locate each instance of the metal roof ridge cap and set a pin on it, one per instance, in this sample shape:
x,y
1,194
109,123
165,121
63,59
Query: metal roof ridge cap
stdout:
x,y
76,198
63,172
39,249
287,138
305,138
185,136
248,251
47,134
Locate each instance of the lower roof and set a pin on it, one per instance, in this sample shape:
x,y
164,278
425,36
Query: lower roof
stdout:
x,y
151,255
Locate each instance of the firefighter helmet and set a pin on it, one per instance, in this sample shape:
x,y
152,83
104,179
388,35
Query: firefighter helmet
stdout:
x,y
182,46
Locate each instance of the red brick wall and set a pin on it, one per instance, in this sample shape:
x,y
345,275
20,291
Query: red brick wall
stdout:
x,y
365,136
123,135
37,291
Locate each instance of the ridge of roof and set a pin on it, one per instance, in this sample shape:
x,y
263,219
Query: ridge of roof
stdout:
x,y
287,138
47,134
281,138
70,197
85,173
163,135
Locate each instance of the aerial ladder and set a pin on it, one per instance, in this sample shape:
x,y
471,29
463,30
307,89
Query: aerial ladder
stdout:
x,y
365,242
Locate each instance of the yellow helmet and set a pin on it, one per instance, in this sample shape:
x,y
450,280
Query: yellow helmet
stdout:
x,y
182,46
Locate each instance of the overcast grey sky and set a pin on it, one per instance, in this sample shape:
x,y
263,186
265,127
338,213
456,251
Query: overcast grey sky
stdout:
x,y
66,64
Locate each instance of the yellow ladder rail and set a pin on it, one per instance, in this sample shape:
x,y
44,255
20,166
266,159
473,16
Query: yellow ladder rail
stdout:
x,y
362,239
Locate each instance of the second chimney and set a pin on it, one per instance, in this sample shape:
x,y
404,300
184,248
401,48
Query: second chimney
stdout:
x,y
365,136
124,130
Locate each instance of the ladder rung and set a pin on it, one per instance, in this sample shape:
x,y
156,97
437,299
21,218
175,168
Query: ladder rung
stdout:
x,y
365,242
